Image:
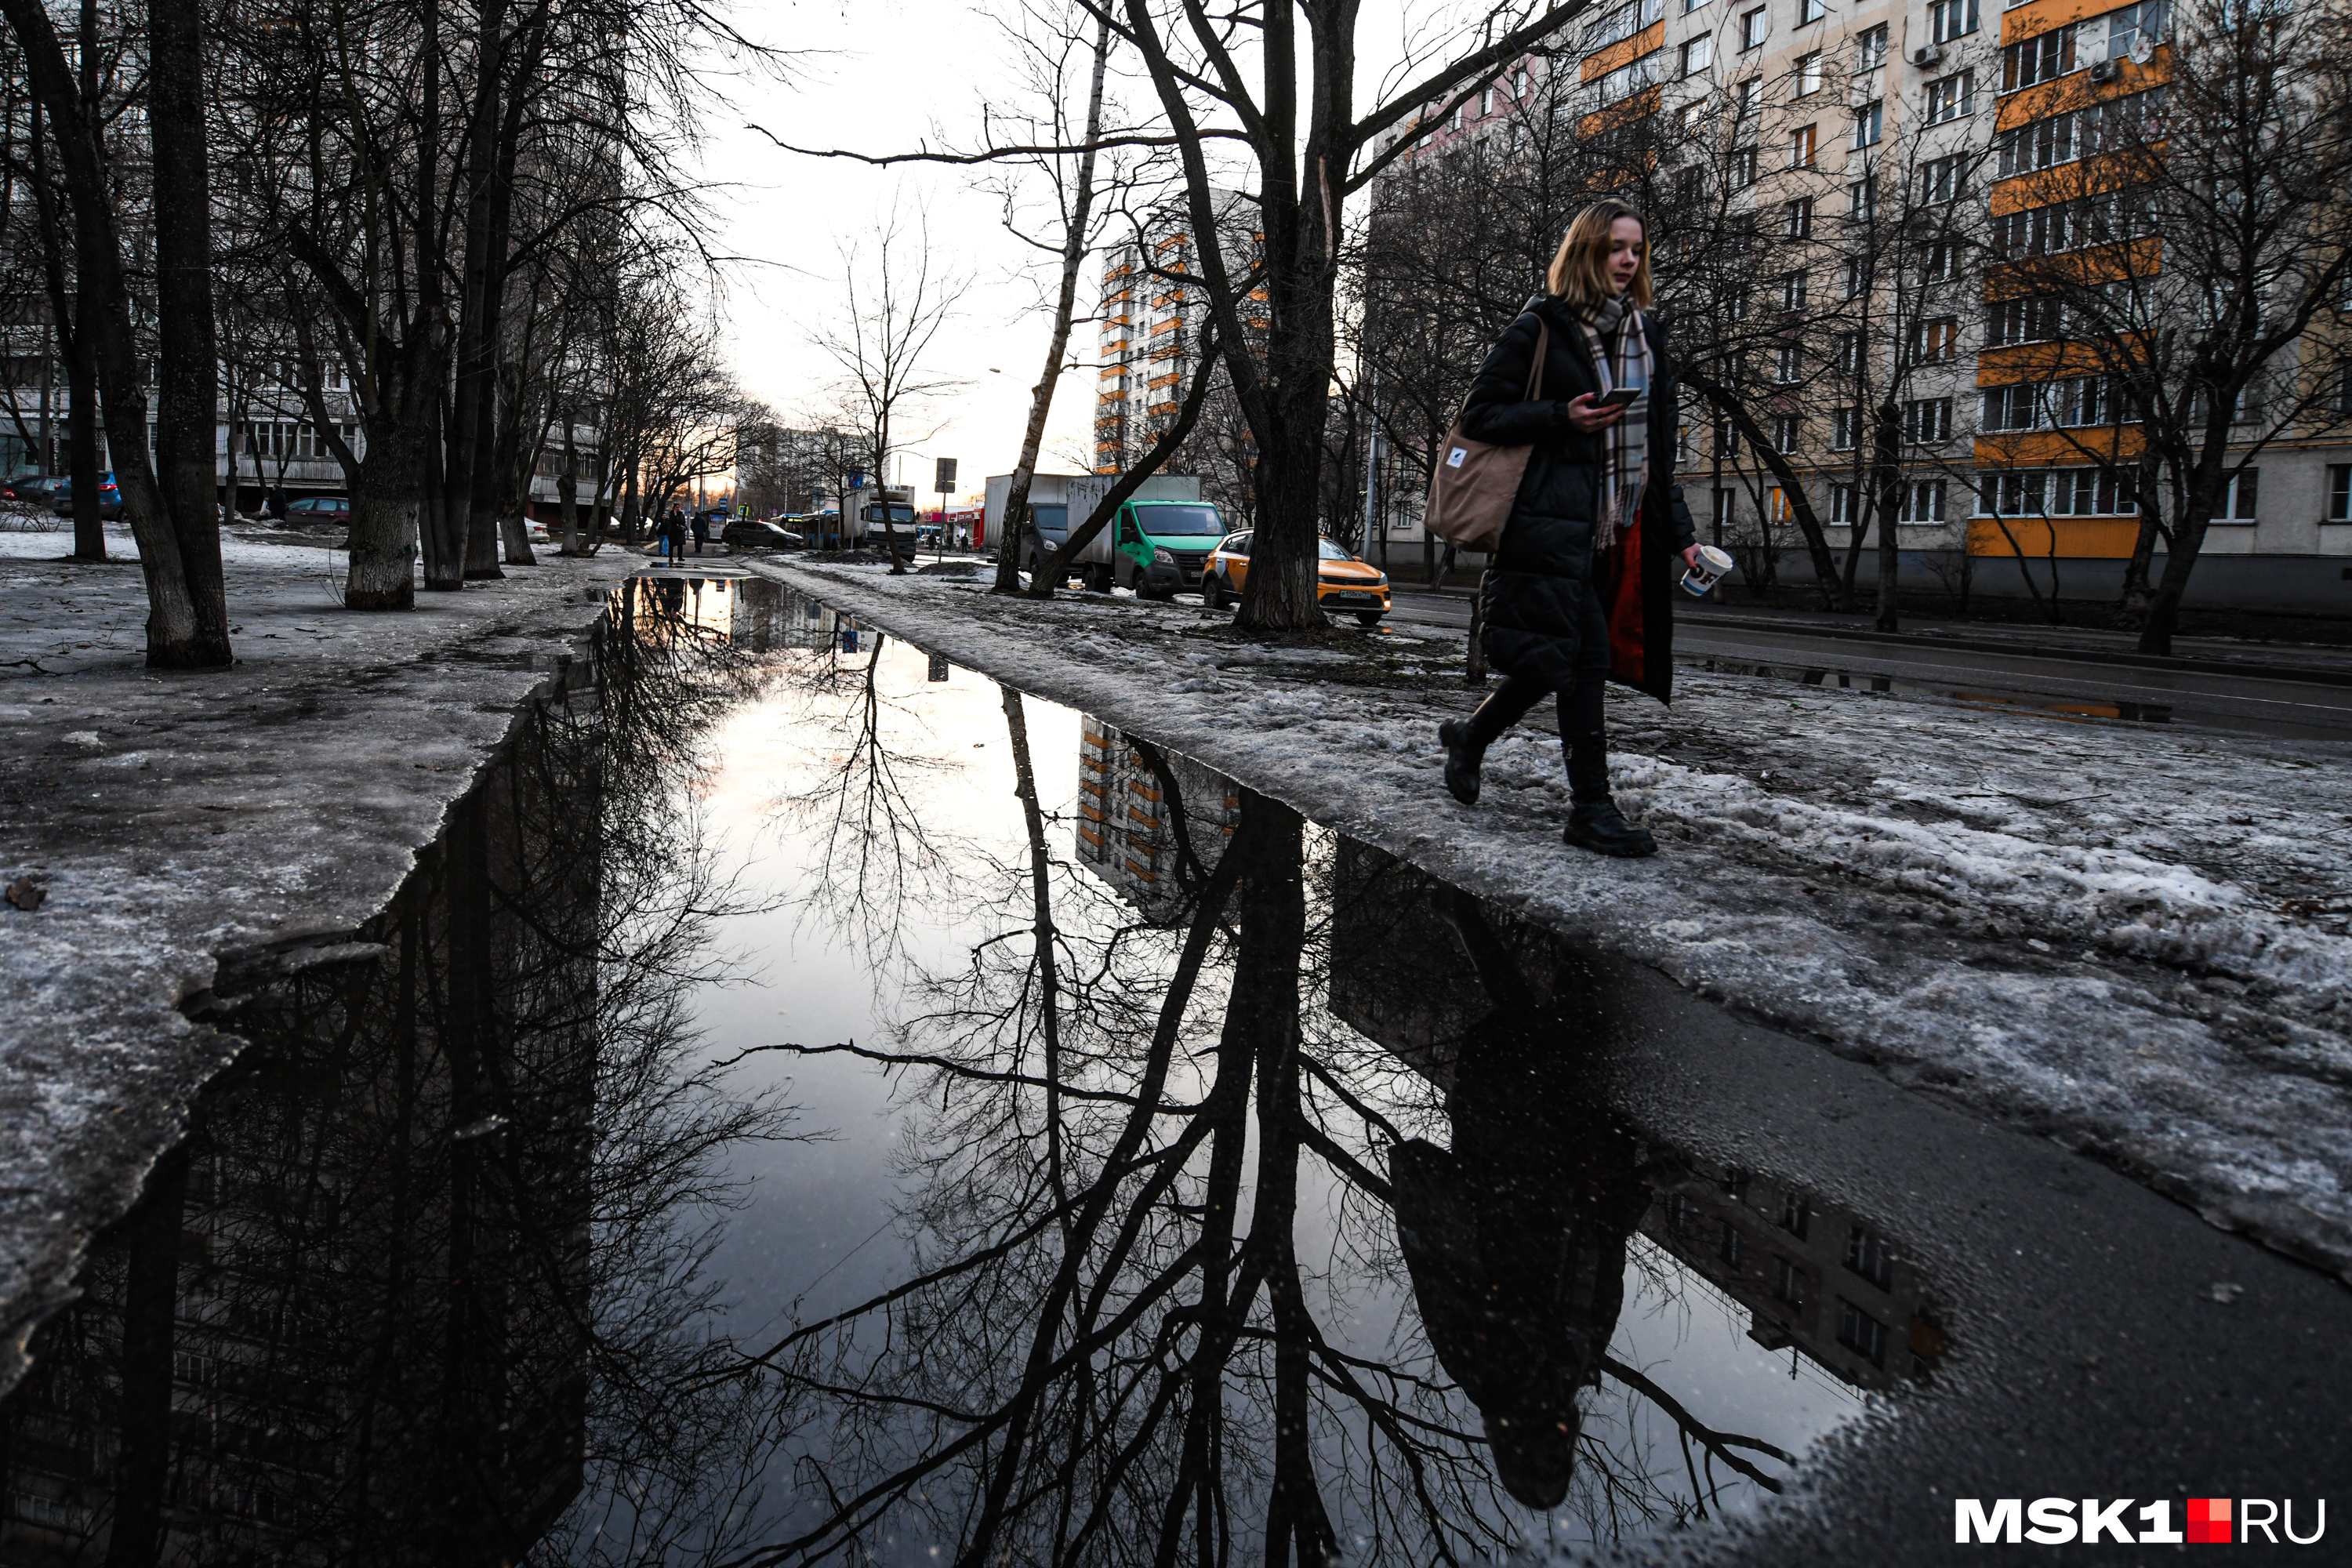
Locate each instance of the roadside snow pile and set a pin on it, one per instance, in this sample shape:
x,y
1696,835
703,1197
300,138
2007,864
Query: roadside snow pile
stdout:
x,y
2131,940
167,816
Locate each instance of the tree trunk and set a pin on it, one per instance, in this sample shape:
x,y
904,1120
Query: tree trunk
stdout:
x,y
1886,483
187,613
187,365
1835,585
1041,397
385,525
2137,593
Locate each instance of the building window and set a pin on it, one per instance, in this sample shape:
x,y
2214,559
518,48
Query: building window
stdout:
x,y
1868,1258
2239,501
1862,199
1792,290
1731,1246
1942,262
1938,339
1842,429
1870,123
1870,48
2012,407
1850,352
2125,26
1735,308
1750,98
2032,319
1743,167
1788,1285
1803,144
1810,10
2044,58
1753,27
1858,1331
1852,277
2339,492
1944,179
1699,54
1680,1213
1798,218
1951,96
1949,19
1788,432
1519,82
1928,421
1722,509
1808,73
1844,508
1923,502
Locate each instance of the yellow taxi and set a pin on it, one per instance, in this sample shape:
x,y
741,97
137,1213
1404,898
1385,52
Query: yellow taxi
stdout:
x,y
1343,581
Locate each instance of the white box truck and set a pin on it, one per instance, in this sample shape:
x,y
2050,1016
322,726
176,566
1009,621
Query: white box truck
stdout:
x,y
1155,545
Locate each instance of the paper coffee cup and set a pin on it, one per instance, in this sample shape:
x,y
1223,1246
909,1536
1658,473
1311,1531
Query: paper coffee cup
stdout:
x,y
1712,565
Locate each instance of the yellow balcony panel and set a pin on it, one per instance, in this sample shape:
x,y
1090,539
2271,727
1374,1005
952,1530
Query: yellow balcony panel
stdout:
x,y
2039,362
1637,107
2096,538
1156,382
1112,370
2088,176
2058,448
1623,52
1170,325
1158,408
2076,89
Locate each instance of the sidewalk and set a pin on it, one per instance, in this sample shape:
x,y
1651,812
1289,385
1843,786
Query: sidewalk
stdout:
x,y
168,817
2132,942
2288,659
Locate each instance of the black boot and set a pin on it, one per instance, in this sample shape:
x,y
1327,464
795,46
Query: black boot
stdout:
x,y
1462,759
1594,822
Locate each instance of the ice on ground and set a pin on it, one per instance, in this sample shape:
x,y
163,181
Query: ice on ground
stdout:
x,y
172,815
2131,940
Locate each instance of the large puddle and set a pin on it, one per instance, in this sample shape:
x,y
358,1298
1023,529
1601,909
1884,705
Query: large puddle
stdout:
x,y
813,1103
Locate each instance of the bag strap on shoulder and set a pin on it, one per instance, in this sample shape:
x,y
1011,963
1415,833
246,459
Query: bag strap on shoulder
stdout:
x,y
1536,370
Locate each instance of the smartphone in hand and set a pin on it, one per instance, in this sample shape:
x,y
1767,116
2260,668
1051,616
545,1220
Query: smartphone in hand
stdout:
x,y
1618,399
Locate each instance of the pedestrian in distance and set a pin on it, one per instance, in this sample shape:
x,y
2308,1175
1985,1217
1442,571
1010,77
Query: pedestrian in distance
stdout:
x,y
674,538
1579,592
701,531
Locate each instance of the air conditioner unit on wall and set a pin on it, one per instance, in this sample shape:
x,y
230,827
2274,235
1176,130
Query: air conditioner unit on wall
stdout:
x,y
2106,71
1928,55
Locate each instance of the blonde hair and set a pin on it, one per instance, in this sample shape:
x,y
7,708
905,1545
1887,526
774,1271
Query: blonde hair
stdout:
x,y
1580,273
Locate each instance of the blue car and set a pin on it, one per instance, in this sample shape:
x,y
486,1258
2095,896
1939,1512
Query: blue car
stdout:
x,y
110,497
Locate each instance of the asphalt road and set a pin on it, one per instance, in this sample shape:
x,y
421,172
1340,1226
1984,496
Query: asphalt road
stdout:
x,y
2200,693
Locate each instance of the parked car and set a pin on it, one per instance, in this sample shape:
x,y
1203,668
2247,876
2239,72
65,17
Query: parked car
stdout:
x,y
38,489
758,533
110,497
1343,580
320,509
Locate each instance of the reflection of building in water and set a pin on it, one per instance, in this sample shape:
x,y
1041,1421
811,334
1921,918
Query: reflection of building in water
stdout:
x,y
346,1323
1127,824
1814,1274
753,612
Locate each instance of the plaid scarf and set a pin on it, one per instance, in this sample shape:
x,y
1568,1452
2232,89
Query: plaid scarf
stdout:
x,y
1620,349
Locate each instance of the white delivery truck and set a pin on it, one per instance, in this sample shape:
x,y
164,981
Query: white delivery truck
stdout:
x,y
1155,545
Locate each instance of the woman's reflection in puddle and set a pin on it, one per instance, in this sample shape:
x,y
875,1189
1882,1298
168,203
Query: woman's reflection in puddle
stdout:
x,y
1515,1240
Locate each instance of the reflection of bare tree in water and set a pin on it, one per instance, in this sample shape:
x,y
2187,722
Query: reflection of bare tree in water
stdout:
x,y
1107,1346
873,856
431,1256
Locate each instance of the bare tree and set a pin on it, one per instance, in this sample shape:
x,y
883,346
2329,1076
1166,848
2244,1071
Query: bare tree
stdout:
x,y
2186,291
897,294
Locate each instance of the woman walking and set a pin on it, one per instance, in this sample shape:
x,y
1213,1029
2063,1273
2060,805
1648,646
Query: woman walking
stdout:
x,y
1580,591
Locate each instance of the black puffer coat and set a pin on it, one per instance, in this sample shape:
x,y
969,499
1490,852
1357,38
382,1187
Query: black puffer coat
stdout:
x,y
1537,580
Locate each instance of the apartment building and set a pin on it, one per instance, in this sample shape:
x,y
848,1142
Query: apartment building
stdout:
x,y
267,439
1151,323
1825,129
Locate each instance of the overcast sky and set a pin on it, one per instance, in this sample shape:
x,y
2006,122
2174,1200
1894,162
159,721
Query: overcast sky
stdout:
x,y
875,75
